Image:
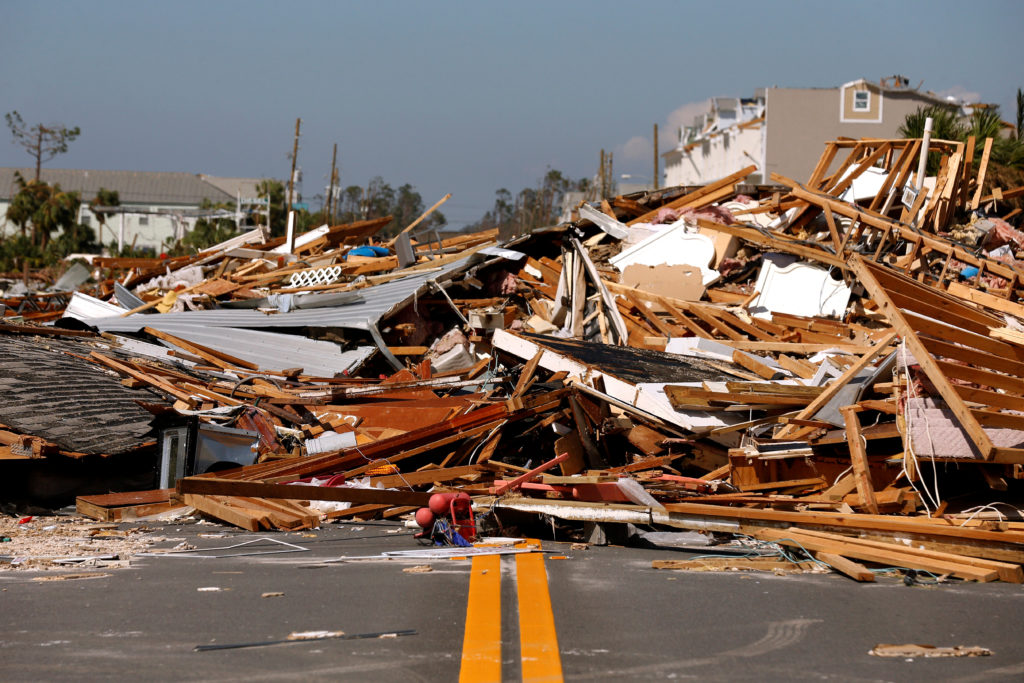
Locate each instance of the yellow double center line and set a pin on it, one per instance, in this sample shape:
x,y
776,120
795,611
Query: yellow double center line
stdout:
x,y
538,639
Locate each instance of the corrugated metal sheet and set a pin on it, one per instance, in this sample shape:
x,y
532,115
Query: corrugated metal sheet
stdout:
x,y
273,350
378,301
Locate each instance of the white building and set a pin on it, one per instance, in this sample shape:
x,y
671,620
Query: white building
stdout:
x,y
783,130
164,202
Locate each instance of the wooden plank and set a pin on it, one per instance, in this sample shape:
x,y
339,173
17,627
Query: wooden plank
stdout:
x,y
255,489
142,377
802,369
859,459
683,397
838,383
749,362
843,565
427,476
833,230
697,196
1011,573
222,511
982,170
527,373
853,522
806,484
899,320
985,299
897,556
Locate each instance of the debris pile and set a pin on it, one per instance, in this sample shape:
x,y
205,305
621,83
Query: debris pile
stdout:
x,y
834,367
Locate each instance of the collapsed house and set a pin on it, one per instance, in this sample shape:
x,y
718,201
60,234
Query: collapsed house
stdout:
x,y
835,365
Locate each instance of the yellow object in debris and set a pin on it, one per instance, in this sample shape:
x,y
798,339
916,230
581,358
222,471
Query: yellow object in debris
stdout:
x,y
167,302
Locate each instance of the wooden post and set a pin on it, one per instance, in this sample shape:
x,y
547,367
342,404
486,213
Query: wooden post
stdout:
x,y
295,154
654,179
330,191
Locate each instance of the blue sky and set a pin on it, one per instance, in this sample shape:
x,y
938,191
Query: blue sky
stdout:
x,y
460,97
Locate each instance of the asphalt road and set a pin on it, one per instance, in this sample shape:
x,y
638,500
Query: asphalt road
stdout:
x,y
616,618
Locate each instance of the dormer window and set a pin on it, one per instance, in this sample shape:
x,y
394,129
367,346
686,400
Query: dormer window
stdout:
x,y
861,100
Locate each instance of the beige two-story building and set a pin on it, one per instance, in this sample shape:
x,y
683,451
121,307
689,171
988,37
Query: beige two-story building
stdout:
x,y
783,130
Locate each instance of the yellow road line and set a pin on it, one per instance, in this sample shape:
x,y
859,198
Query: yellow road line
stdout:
x,y
481,645
538,639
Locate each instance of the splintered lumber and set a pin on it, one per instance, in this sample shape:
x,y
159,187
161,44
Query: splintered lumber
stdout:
x,y
142,377
854,570
222,509
897,556
1002,545
683,398
915,311
859,459
699,197
754,365
1008,572
833,388
255,489
420,219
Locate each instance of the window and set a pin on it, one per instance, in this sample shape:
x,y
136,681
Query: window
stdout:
x,y
861,100
143,220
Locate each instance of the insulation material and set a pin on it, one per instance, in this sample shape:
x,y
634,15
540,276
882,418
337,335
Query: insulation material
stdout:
x,y
935,433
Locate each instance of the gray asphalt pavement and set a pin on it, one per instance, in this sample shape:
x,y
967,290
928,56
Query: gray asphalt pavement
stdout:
x,y
617,619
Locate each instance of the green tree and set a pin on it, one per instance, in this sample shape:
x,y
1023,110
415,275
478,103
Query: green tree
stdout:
x,y
45,207
41,142
946,125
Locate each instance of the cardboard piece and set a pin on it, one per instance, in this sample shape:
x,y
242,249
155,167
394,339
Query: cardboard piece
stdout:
x,y
676,281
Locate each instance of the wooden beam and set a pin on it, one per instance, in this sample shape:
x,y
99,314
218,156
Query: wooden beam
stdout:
x,y
256,489
859,459
830,392
843,565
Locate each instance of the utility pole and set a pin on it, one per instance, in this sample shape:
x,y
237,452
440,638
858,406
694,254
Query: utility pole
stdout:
x,y
330,191
295,154
602,176
654,180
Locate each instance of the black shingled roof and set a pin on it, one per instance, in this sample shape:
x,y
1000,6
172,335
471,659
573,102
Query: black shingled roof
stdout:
x,y
66,400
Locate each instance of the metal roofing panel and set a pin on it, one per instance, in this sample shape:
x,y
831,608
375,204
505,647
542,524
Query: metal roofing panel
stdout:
x,y
273,350
378,301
